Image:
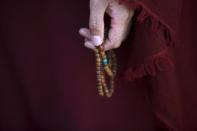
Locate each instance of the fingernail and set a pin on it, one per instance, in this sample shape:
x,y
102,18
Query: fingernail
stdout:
x,y
96,40
81,31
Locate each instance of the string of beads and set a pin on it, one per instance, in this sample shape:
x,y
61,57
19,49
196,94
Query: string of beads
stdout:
x,y
106,67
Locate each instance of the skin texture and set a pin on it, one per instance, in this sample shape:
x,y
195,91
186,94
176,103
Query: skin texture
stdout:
x,y
121,17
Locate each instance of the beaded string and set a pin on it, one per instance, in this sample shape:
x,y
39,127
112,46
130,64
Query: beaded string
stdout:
x,y
106,67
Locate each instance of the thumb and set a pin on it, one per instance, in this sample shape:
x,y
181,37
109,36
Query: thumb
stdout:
x,y
96,20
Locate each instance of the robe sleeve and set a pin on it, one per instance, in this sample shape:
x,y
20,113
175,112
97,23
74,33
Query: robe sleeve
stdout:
x,y
153,37
150,52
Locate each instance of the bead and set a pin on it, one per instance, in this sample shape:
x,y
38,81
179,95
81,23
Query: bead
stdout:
x,y
100,48
103,54
108,71
98,63
98,60
96,51
106,91
109,95
97,55
98,68
98,73
100,87
99,79
104,61
101,93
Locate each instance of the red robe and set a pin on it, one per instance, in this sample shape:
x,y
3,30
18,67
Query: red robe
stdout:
x,y
48,79
163,45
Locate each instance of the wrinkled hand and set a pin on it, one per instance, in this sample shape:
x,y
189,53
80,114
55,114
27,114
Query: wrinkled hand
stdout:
x,y
120,23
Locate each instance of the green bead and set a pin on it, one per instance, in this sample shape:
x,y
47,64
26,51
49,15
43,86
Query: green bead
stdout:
x,y
104,61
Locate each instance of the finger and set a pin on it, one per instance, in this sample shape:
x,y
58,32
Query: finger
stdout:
x,y
96,21
89,45
85,33
127,30
95,40
115,36
120,18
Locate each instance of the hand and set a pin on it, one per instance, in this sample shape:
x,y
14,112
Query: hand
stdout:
x,y
121,17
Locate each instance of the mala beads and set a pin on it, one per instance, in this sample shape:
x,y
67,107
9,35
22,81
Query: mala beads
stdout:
x,y
106,67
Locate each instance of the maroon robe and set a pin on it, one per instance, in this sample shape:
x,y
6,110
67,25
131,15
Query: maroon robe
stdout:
x,y
163,45
48,79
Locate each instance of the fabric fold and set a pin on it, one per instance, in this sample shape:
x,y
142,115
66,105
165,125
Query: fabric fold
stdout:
x,y
151,63
151,53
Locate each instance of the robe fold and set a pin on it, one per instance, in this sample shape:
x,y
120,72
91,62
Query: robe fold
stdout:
x,y
163,51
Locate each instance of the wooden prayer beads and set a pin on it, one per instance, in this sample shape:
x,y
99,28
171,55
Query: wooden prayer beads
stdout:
x,y
106,66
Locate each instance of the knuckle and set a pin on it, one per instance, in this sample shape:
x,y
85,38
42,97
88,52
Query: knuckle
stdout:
x,y
116,46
